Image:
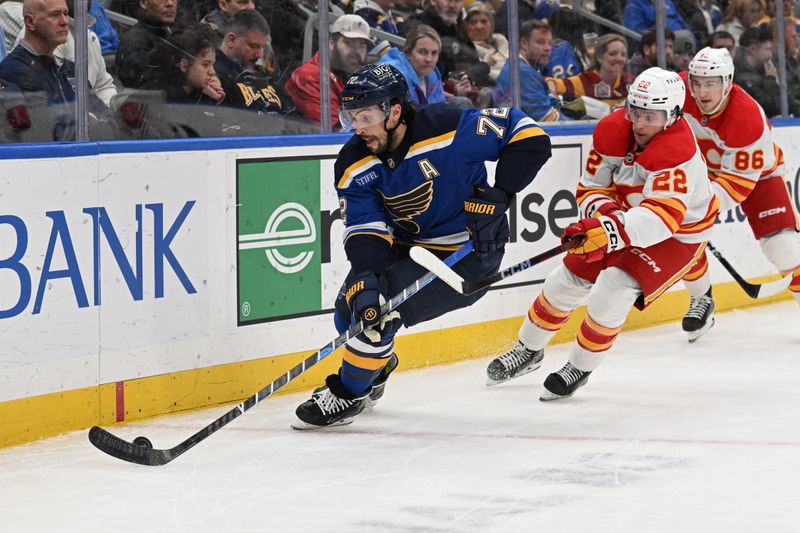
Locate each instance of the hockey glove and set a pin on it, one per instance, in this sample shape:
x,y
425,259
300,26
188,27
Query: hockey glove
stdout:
x,y
603,207
365,295
600,236
486,219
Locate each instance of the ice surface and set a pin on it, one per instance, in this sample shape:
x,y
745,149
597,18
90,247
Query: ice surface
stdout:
x,y
665,437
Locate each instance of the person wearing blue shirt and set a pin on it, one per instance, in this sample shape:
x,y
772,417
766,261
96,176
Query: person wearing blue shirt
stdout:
x,y
417,64
640,15
109,40
535,43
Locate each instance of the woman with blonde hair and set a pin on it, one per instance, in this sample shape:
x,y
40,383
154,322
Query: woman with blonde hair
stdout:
x,y
417,62
605,81
740,15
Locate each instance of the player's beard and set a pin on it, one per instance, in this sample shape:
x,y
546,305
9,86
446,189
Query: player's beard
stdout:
x,y
379,143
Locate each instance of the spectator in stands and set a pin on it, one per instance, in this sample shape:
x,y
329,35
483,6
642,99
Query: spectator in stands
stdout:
x,y
379,14
569,56
417,63
535,45
683,49
219,17
246,84
109,40
31,66
182,66
444,16
740,15
792,62
463,55
156,24
491,47
769,13
348,44
697,19
723,39
648,56
754,70
606,80
640,15
100,81
526,10
11,22
407,8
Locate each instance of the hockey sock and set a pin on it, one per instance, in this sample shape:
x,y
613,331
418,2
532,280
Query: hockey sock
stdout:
x,y
593,340
543,321
362,361
698,279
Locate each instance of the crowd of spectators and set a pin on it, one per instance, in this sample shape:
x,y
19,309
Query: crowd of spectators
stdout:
x,y
221,67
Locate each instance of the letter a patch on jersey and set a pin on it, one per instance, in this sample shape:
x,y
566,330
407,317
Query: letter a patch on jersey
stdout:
x,y
428,170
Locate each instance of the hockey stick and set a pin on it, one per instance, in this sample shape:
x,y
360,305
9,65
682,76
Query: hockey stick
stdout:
x,y
141,451
426,259
753,290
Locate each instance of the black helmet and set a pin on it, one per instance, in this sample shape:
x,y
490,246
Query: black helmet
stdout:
x,y
374,84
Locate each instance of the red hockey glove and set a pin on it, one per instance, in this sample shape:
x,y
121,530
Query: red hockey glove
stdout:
x,y
18,117
601,236
600,208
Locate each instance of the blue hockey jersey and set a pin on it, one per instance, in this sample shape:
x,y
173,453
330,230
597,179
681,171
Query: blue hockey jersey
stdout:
x,y
415,194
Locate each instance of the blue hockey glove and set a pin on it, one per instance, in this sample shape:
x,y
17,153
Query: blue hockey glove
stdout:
x,y
365,294
486,219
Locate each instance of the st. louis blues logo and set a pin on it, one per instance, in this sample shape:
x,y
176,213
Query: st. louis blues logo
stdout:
x,y
404,207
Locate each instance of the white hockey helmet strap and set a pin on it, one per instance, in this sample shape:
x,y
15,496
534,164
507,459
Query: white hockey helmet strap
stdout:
x,y
658,89
709,63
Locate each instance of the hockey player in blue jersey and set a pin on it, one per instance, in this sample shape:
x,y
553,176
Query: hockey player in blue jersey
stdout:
x,y
413,177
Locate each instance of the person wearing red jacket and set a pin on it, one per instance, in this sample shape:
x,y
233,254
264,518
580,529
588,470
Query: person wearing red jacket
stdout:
x,y
348,45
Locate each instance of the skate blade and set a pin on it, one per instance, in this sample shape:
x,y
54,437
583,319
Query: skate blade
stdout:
x,y
548,396
526,370
299,425
694,335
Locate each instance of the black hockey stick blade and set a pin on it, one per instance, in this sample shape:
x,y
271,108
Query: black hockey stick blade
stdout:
x,y
753,290
426,259
149,456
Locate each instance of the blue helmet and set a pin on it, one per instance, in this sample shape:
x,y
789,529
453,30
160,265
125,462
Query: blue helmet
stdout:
x,y
377,84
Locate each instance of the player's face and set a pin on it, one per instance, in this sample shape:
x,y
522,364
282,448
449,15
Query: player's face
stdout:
x,y
370,124
424,56
248,47
647,123
707,92
613,60
201,71
479,27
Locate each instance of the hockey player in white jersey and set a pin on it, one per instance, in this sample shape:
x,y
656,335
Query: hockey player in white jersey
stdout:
x,y
648,210
746,168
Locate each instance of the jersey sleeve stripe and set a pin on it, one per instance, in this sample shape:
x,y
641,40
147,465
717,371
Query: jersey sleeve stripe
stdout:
x,y
356,168
433,143
527,133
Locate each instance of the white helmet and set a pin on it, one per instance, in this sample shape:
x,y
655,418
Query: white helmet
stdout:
x,y
712,62
660,89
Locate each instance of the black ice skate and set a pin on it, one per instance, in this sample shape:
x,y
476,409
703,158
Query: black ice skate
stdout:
x,y
700,316
512,364
327,408
564,383
379,386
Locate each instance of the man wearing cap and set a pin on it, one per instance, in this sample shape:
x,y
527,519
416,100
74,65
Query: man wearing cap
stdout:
x,y
348,44
683,49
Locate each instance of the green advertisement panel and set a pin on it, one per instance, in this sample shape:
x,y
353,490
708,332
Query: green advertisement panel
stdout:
x,y
279,244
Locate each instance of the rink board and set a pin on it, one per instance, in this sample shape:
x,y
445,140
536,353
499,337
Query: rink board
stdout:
x,y
134,283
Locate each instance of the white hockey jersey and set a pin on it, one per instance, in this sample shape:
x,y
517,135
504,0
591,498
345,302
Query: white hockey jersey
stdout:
x,y
663,188
737,144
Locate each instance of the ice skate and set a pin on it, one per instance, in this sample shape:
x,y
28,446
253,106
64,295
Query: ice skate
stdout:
x,y
700,316
564,383
512,364
326,409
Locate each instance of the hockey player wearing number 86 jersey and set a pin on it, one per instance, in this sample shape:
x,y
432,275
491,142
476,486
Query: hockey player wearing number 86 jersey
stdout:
x,y
745,167
648,211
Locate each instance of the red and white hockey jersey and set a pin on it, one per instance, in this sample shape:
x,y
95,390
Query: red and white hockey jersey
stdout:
x,y
737,144
663,188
